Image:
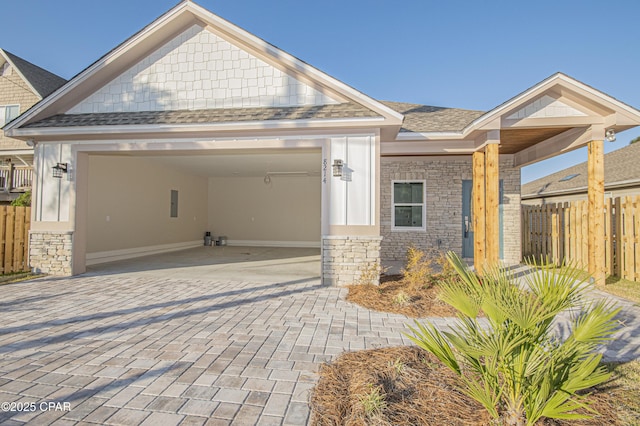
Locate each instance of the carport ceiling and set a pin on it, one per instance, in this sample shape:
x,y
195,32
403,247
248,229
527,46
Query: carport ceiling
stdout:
x,y
240,164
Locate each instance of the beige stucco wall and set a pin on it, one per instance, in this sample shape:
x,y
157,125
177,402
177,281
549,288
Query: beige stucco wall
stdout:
x,y
135,194
444,178
13,90
247,209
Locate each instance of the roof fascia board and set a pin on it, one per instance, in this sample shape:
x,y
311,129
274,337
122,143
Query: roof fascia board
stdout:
x,y
17,70
428,136
190,127
431,148
548,84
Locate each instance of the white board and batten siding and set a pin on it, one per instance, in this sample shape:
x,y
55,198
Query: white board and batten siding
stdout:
x,y
53,195
352,199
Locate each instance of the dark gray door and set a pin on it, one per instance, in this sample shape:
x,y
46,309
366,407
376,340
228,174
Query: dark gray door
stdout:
x,y
467,221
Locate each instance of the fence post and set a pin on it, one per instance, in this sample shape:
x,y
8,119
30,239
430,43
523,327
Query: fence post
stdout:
x,y
635,238
8,245
617,255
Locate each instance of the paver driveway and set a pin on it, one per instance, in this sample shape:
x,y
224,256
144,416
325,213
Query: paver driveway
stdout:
x,y
157,347
125,345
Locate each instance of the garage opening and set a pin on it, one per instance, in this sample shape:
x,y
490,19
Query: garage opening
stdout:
x,y
142,204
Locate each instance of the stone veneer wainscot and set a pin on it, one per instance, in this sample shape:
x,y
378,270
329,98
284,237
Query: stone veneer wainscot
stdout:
x,y
51,252
345,258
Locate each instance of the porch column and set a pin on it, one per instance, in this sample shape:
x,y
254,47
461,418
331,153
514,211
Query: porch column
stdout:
x,y
492,193
478,211
595,191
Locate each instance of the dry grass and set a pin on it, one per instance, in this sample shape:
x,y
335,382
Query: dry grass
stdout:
x,y
407,386
401,297
626,289
17,277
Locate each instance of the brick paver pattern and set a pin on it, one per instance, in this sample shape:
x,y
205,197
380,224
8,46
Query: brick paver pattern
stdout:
x,y
127,349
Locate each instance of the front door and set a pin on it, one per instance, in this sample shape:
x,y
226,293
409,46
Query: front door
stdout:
x,y
467,218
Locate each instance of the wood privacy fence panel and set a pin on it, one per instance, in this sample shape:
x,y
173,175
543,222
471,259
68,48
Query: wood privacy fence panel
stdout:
x,y
558,232
14,239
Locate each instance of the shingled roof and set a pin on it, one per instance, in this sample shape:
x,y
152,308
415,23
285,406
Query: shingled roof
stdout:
x,y
219,115
43,81
620,167
418,118
425,118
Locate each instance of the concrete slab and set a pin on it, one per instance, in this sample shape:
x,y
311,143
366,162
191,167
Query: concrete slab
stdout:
x,y
221,263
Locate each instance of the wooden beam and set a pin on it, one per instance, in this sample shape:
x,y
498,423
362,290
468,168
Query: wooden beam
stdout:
x,y
595,191
478,217
492,193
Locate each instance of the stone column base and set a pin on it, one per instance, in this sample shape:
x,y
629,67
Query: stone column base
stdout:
x,y
50,252
350,259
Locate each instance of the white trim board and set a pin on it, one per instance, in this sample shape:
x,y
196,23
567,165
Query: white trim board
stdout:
x,y
113,255
265,243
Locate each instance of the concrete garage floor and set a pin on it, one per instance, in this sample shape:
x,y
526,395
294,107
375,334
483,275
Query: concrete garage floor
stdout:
x,y
257,264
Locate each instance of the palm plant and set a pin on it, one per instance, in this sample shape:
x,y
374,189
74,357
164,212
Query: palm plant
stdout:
x,y
513,362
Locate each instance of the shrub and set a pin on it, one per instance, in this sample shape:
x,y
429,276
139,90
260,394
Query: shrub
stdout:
x,y
402,298
418,269
516,366
24,200
370,274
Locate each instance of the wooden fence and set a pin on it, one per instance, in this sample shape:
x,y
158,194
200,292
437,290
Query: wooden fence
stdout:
x,y
14,239
558,232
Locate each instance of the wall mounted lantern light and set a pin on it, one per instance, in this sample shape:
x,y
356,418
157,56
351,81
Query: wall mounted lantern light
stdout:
x,y
337,167
610,134
59,169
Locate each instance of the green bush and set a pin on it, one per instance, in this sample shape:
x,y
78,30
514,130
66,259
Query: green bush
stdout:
x,y
24,200
513,362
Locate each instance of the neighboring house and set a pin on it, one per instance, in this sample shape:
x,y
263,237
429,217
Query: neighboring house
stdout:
x,y
22,85
621,171
195,125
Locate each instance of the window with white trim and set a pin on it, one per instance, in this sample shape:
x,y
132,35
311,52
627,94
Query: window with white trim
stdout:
x,y
408,201
8,113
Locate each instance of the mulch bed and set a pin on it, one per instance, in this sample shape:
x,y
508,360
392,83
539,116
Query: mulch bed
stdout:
x,y
414,389
417,390
421,301
406,385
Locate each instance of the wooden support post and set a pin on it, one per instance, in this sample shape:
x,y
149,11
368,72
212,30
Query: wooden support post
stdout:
x,y
478,212
595,191
10,177
492,191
